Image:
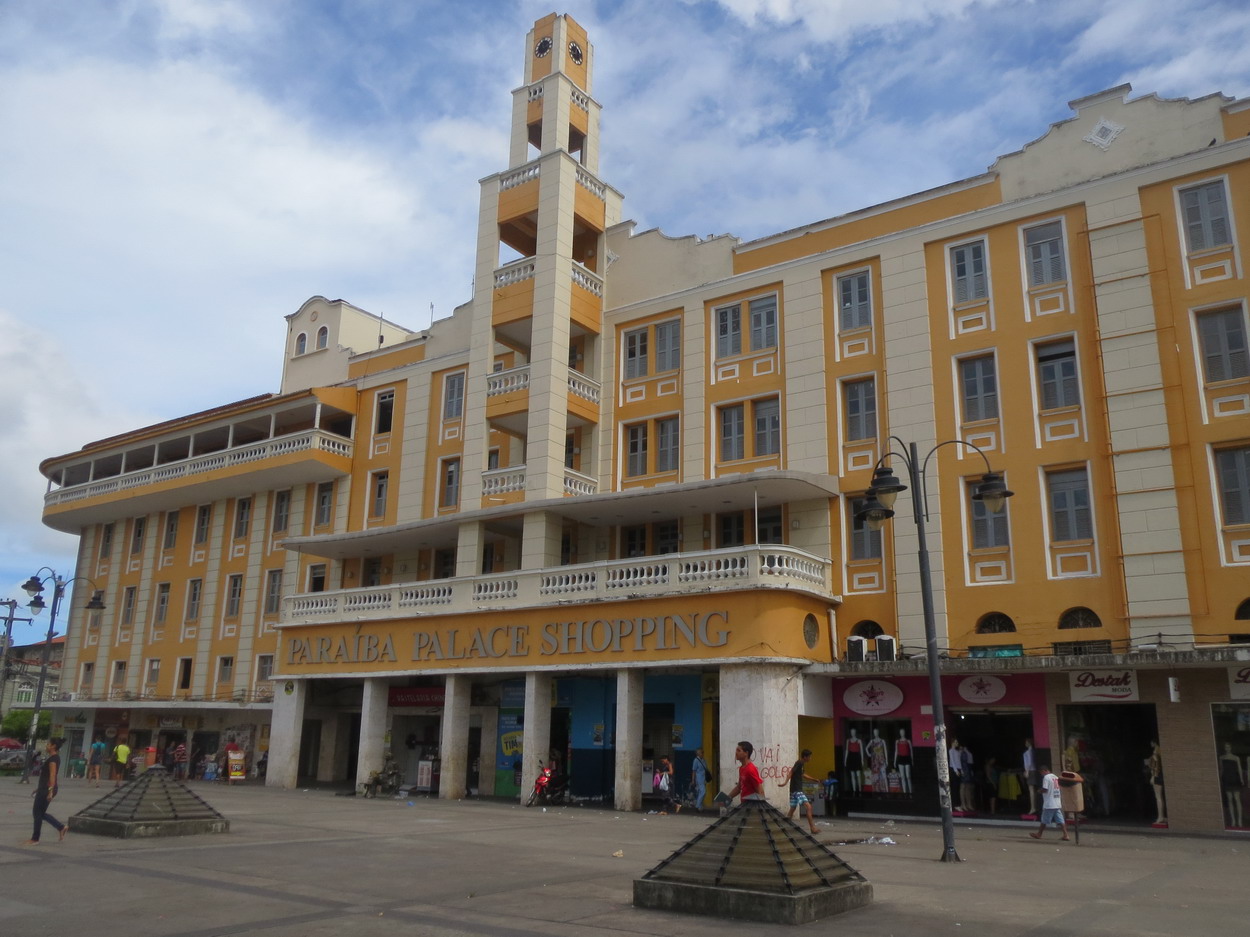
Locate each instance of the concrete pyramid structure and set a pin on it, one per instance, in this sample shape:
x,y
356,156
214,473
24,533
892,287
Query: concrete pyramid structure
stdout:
x,y
153,804
754,864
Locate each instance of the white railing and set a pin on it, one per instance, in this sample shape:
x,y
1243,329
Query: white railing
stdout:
x,y
580,100
504,480
536,92
515,272
585,387
590,183
575,483
313,440
766,566
520,176
591,282
505,382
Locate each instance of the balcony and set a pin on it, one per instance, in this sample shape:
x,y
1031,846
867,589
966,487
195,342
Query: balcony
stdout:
x,y
763,566
310,456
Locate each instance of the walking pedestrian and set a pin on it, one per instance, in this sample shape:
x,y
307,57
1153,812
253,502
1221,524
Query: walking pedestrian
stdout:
x,y
798,798
1052,806
45,791
699,774
121,761
95,760
749,785
666,785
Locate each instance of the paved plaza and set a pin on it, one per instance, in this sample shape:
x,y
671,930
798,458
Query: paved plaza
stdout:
x,y
311,864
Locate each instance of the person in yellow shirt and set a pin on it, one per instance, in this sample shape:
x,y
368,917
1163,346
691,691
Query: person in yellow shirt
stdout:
x,y
121,759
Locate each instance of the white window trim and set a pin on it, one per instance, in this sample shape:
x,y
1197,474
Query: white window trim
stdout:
x,y
1195,343
951,247
1043,473
1178,210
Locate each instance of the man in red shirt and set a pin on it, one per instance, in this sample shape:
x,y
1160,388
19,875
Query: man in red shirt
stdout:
x,y
749,782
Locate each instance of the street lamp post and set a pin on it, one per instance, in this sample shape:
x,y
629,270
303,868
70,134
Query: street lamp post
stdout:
x,y
34,588
11,605
876,511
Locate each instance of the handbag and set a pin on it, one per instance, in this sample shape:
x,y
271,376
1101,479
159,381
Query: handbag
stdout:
x,y
664,782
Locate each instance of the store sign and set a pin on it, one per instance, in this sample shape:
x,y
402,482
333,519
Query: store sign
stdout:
x,y
1239,682
416,696
872,697
1103,685
982,689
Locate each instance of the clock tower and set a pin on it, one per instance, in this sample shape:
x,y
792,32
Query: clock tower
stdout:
x,y
533,391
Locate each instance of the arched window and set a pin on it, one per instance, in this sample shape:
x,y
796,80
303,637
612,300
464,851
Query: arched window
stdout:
x,y
301,343
1079,617
323,337
995,623
25,693
867,629
1243,611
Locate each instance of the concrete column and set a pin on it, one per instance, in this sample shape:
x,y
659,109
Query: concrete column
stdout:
x,y
487,764
454,745
372,728
536,738
627,771
287,722
760,703
332,730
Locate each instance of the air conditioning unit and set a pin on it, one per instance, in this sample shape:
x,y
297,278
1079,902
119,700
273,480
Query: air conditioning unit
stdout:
x,y
68,697
887,648
856,648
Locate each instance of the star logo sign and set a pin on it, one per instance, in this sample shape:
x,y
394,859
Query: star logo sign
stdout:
x,y
871,695
981,687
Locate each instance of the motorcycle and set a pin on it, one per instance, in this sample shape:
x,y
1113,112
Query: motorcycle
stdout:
x,y
550,789
386,781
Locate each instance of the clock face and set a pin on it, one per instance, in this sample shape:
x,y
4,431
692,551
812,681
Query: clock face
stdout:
x,y
575,53
543,47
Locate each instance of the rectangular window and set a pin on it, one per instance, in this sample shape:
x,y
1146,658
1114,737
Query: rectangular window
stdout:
x,y
968,278
865,542
377,501
242,517
1222,335
636,354
264,667
317,577
1232,469
767,416
1070,517
384,412
732,433
161,610
371,572
1043,245
634,540
449,497
768,528
203,519
88,677
119,673
668,444
234,595
636,450
729,331
153,673
225,669
136,534
325,504
453,396
492,458
273,591
668,346
195,589
667,537
854,302
763,323
1205,211
988,529
860,398
184,673
128,605
1056,374
106,541
731,530
281,511
444,564
978,378
171,530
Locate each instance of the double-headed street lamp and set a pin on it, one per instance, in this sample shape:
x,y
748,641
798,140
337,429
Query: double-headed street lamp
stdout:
x,y
34,588
877,509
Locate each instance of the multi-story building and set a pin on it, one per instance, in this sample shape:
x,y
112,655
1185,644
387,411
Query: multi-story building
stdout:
x,y
609,508
19,678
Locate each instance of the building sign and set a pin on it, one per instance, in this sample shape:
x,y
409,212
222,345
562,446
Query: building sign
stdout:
x,y
982,688
1103,686
872,697
416,696
1239,682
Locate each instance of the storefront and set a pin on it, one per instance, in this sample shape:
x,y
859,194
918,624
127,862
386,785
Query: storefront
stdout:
x,y
1230,723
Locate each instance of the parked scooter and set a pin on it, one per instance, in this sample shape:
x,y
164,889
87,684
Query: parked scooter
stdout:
x,y
386,781
550,789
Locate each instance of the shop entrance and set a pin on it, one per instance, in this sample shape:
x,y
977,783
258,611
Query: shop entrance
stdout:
x,y
997,734
1109,745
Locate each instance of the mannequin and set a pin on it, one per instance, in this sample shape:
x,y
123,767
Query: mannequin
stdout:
x,y
902,760
1232,780
1072,756
1031,776
1155,767
955,759
877,760
853,758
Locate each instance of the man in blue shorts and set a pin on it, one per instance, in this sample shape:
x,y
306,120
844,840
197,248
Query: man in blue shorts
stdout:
x,y
798,774
1052,807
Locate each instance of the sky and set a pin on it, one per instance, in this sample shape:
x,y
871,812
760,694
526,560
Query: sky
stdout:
x,y
177,176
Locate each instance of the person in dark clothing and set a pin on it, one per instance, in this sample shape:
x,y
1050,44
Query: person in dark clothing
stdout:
x,y
45,791
798,798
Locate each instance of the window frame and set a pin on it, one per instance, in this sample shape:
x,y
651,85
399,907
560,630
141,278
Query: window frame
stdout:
x,y
301,344
203,524
1073,518
766,427
453,396
225,669
986,529
978,402
668,346
731,431
1207,223
862,542
668,444
1056,389
728,330
1231,467
324,514
449,481
129,598
857,314
234,596
160,606
273,591
636,444
635,351
138,531
323,338
242,518
384,411
858,409
195,595
379,492
1043,267
973,284
170,540
1227,348
281,517
765,322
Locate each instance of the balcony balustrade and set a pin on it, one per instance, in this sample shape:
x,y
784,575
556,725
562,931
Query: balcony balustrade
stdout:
x,y
763,566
